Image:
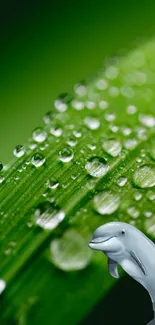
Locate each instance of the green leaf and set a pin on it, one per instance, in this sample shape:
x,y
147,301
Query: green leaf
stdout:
x,y
91,163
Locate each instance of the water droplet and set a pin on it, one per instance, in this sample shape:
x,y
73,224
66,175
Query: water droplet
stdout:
x,y
72,141
96,166
2,285
91,146
1,166
66,154
80,89
147,120
150,195
131,109
145,176
106,202
130,144
48,216
127,91
39,135
110,117
113,128
2,178
112,147
126,130
77,133
38,159
133,212
56,130
52,183
138,196
122,181
101,84
77,104
61,103
71,251
113,92
92,123
48,117
90,104
148,214
103,104
111,72
149,225
19,151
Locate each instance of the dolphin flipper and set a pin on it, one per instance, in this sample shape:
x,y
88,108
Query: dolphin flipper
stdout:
x,y
138,261
112,266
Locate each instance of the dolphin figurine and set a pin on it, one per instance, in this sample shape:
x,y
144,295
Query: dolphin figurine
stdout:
x,y
127,246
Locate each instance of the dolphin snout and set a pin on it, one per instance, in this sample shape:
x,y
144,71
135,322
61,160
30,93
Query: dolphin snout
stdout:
x,y
96,241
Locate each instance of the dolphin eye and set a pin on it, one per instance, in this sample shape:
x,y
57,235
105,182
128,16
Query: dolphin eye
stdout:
x,y
123,232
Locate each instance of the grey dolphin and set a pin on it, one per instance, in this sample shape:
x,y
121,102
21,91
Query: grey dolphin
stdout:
x,y
127,246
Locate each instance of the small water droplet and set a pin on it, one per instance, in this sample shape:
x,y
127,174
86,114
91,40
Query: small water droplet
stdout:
x,y
52,183
110,117
122,181
96,166
71,251
2,285
39,135
111,72
130,144
38,159
61,103
77,133
112,147
80,89
77,104
92,123
48,117
131,109
48,216
66,154
133,212
90,104
103,104
113,92
144,176
19,151
72,141
106,202
114,128
150,195
91,146
56,130
101,84
2,178
138,196
147,120
148,214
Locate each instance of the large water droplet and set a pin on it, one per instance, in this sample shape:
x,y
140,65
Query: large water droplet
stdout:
x,y
38,159
106,202
48,216
66,154
112,147
70,252
39,135
96,166
56,130
19,151
2,285
92,123
145,176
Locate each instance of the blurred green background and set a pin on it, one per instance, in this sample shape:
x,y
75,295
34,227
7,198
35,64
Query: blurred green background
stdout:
x,y
47,46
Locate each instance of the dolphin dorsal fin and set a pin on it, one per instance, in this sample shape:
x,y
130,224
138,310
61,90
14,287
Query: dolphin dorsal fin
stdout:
x,y
113,269
138,261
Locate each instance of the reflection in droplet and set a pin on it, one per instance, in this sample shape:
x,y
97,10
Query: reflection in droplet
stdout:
x,y
38,159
